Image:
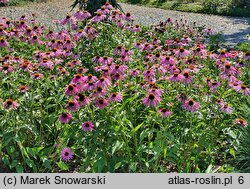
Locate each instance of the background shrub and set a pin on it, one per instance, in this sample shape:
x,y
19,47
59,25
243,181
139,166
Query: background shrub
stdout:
x,y
93,5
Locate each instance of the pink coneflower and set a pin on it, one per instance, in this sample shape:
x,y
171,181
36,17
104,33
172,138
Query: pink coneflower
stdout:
x,y
78,78
103,10
3,43
186,40
246,56
72,105
157,92
174,69
99,92
192,69
82,99
126,52
240,65
147,46
81,70
191,105
182,52
241,122
243,88
118,50
208,31
103,82
156,41
89,86
164,112
116,97
66,154
134,73
139,45
23,88
65,117
99,68
235,85
213,85
223,54
125,59
181,97
149,73
51,35
101,103
187,77
89,78
198,51
98,18
106,60
227,69
96,59
120,24
107,5
87,126
79,34
128,17
105,72
68,20
151,100
71,90
82,15
10,104
226,108
117,68
135,28
166,60
150,57
118,76
29,32
37,76
4,1
46,63
7,68
176,77
34,39
91,32
169,42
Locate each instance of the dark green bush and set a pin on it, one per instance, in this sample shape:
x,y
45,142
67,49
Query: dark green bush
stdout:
x,y
93,5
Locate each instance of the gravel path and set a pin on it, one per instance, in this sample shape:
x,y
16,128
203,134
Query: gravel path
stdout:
x,y
234,29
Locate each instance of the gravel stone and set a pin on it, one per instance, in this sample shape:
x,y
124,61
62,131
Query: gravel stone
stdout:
x,y
234,29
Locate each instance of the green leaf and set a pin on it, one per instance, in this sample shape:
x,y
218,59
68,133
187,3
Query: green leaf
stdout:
x,y
19,169
118,165
164,152
31,164
232,152
133,166
6,159
13,164
62,165
117,145
100,162
209,169
232,134
137,127
47,163
23,150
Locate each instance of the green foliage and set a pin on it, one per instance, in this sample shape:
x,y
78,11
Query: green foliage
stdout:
x,y
93,5
243,155
127,136
243,46
220,7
